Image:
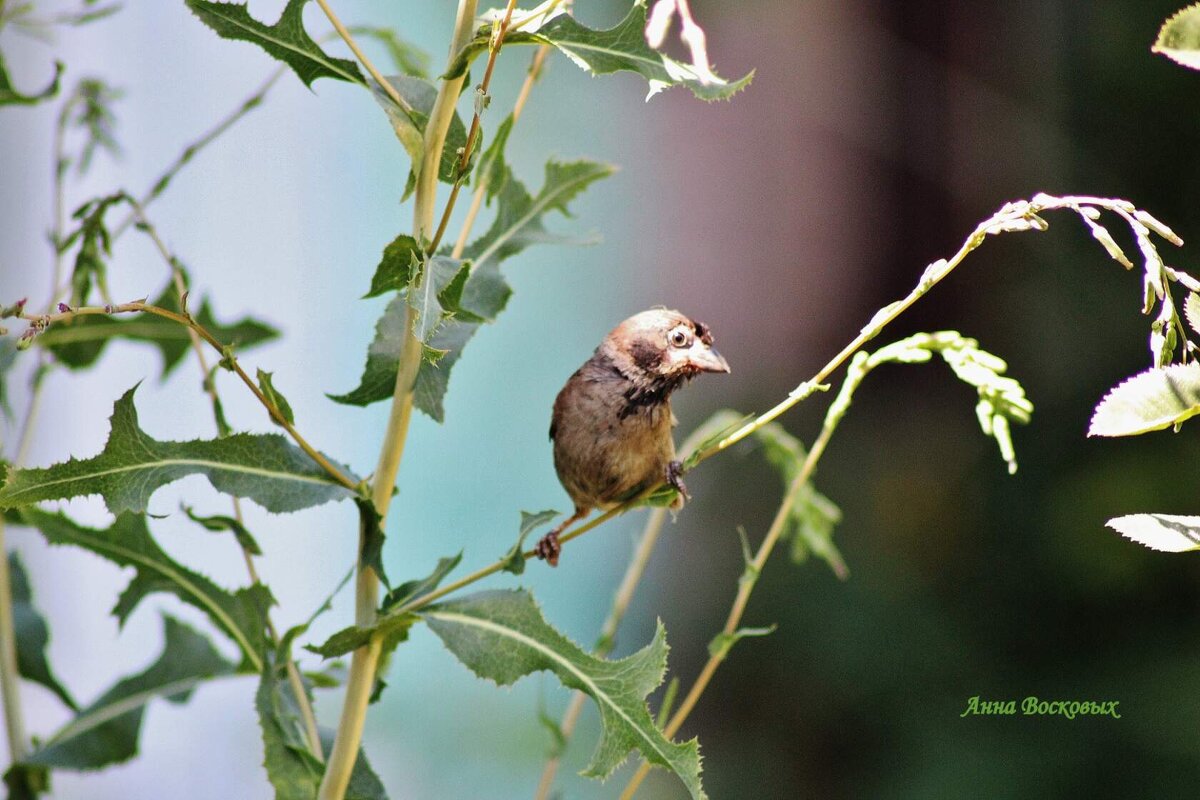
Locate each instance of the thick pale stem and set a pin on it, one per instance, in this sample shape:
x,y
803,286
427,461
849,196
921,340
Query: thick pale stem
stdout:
x,y
10,689
365,660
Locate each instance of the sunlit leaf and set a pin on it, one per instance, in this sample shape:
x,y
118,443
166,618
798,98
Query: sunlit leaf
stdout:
x,y
1166,532
1149,401
1179,37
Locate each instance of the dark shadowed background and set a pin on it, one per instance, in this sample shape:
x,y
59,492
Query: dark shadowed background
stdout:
x,y
874,137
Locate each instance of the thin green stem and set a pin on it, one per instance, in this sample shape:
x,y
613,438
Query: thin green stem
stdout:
x,y
343,32
210,389
365,660
608,634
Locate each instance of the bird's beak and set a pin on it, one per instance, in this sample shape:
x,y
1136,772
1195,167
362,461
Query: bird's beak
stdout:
x,y
706,359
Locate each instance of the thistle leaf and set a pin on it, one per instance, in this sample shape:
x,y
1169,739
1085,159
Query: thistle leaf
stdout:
x,y
32,635
502,636
240,615
286,40
266,468
106,732
1149,401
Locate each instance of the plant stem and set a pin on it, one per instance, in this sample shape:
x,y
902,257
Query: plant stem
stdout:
x,y
10,690
604,646
210,388
227,357
188,153
483,178
362,58
365,660
465,159
745,588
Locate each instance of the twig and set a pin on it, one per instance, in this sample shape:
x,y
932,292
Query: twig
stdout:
x,y
362,58
493,51
40,322
210,388
604,646
483,178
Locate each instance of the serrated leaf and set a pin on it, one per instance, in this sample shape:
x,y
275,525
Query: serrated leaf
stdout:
x,y
514,559
600,52
519,216
397,267
95,245
419,587
1149,401
32,635
266,468
1169,533
266,384
502,636
436,296
218,523
409,124
371,524
1179,37
1191,310
10,96
286,40
79,343
106,732
293,770
240,615
493,167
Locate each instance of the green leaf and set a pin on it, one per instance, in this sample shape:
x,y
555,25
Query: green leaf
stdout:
x,y
1179,37
1149,401
8,357
418,588
263,467
32,635
1191,309
502,636
95,118
493,166
95,245
391,625
286,40
372,536
514,559
400,262
1169,533
267,385
436,296
722,643
106,732
600,52
240,615
79,343
218,523
407,58
409,124
10,96
519,216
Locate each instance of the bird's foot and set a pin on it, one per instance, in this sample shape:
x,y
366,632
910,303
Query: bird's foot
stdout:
x,y
548,548
675,479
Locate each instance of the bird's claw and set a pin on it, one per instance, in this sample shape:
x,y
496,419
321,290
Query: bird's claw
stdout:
x,y
675,479
548,548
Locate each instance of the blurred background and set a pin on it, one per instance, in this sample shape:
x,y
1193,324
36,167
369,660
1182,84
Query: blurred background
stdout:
x,y
872,140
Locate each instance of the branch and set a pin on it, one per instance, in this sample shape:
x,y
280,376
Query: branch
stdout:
x,y
362,59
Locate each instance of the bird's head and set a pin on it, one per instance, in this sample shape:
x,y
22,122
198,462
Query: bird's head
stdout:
x,y
664,346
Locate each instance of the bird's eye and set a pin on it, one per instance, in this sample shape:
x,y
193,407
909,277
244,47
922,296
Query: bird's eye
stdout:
x,y
678,338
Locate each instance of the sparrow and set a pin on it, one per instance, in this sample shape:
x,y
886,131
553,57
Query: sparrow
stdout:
x,y
612,421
